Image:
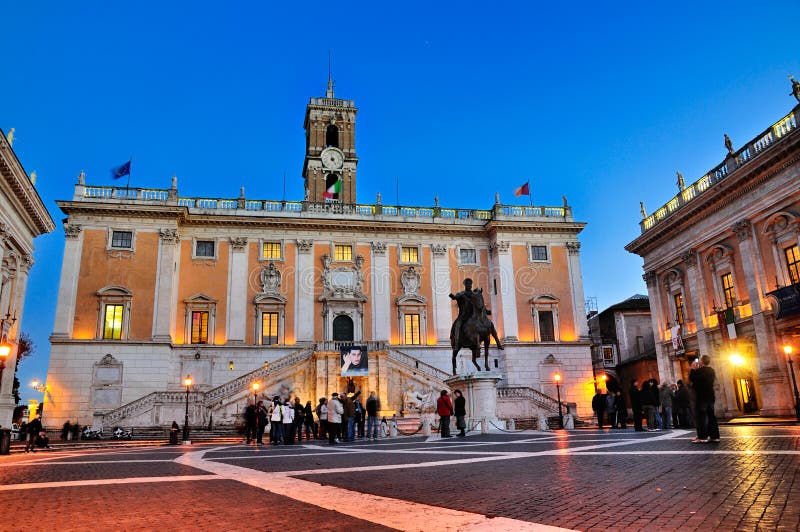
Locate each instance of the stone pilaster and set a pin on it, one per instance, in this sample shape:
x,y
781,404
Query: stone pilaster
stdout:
x,y
236,317
442,313
508,291
164,306
576,289
304,288
68,284
380,293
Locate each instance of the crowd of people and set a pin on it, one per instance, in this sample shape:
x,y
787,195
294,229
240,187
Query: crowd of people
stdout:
x,y
340,418
665,406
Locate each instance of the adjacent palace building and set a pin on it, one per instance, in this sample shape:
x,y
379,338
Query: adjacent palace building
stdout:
x,y
722,268
236,292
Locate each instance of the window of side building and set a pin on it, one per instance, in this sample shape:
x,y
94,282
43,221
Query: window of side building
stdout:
x,y
539,254
468,256
792,255
114,304
122,239
271,251
112,322
544,309
342,252
199,319
204,249
728,291
200,327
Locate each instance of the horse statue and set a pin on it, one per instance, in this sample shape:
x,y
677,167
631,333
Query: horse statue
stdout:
x,y
473,327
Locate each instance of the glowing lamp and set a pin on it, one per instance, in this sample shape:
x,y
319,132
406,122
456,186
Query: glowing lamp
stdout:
x,y
736,359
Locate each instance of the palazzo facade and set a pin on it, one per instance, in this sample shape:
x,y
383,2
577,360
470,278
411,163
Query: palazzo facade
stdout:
x,y
722,270
156,286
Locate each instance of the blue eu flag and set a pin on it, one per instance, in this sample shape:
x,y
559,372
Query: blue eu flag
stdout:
x,y
121,171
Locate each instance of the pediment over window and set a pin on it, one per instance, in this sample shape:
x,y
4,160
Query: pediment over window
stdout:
x,y
780,222
544,299
264,299
720,256
111,291
200,299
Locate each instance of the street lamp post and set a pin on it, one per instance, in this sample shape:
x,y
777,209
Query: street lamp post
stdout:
x,y
5,350
188,383
557,378
788,350
256,386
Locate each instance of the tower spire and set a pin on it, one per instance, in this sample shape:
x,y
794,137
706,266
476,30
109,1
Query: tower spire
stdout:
x,y
329,92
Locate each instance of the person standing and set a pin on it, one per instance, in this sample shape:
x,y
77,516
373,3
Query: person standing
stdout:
x,y
372,416
322,415
621,409
681,404
33,429
308,420
261,422
347,415
444,407
665,396
299,418
276,422
335,411
250,423
611,409
636,405
599,407
460,409
702,377
287,410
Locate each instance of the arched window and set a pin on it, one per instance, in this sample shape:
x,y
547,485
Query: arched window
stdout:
x,y
332,136
342,329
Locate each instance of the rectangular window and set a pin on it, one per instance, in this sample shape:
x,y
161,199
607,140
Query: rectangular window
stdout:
x,y
728,291
342,252
409,254
608,356
200,327
204,248
271,251
412,329
547,331
122,239
793,263
468,256
679,308
112,322
539,253
269,328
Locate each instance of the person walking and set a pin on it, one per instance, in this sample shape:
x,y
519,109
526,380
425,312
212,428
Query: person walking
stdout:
x,y
33,429
460,410
261,422
599,407
335,411
635,396
702,377
444,407
373,405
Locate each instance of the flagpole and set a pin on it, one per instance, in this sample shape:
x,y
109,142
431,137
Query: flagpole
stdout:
x,y
530,196
397,190
284,186
128,185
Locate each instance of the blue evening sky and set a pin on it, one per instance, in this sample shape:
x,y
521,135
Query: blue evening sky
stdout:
x,y
598,101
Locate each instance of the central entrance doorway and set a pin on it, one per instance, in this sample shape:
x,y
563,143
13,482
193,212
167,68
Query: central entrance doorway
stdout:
x,y
343,329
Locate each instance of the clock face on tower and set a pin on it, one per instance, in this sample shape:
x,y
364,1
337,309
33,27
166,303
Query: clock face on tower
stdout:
x,y
332,158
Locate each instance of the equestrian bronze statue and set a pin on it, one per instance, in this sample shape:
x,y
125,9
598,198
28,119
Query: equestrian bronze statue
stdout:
x,y
472,326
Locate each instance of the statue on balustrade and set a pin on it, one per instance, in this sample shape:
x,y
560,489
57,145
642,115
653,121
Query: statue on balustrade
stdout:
x,y
681,182
728,144
472,327
795,88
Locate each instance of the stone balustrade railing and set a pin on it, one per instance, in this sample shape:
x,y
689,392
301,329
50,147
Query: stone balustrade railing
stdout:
x,y
739,159
336,346
523,392
415,363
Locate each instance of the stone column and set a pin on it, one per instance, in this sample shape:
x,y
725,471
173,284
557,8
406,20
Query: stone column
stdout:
x,y
164,306
68,285
508,291
304,288
380,293
697,290
576,289
16,309
771,376
442,305
237,291
665,366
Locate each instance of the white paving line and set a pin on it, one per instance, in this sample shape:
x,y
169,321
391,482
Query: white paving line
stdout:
x,y
90,462
386,511
105,482
709,450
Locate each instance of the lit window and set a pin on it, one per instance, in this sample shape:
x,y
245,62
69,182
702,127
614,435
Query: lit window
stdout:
x,y
112,322
412,329
409,254
547,330
269,328
728,291
468,256
122,239
539,253
199,327
342,252
204,248
678,298
271,251
793,263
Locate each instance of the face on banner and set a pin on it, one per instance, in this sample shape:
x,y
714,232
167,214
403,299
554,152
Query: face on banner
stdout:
x,y
354,361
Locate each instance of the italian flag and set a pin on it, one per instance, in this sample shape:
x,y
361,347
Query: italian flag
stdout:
x,y
333,190
730,323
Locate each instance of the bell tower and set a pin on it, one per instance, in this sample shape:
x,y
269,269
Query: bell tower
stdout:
x,y
329,169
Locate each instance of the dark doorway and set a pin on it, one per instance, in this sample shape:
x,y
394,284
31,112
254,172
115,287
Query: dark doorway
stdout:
x,y
342,329
332,136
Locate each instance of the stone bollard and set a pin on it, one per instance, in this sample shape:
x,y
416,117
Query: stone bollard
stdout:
x,y
510,425
426,427
542,424
484,426
569,422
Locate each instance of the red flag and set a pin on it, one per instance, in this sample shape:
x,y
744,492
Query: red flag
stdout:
x,y
524,190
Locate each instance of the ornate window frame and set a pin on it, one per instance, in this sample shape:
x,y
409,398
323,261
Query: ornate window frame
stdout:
x,y
400,260
113,295
720,261
412,302
280,241
783,231
672,281
196,239
352,252
110,238
545,302
274,303
477,256
199,303
547,251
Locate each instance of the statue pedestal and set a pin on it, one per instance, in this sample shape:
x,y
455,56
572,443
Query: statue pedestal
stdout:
x,y
480,393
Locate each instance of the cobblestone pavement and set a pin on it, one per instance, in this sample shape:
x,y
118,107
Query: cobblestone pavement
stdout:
x,y
583,480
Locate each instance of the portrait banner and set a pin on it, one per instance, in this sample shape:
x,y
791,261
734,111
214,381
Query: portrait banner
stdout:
x,y
354,361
